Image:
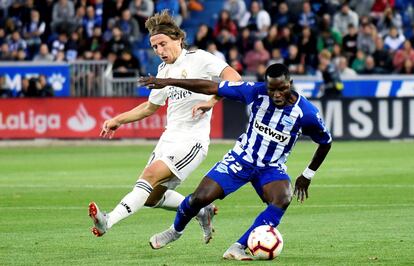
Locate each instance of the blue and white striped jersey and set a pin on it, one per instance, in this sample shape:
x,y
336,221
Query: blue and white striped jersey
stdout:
x,y
272,131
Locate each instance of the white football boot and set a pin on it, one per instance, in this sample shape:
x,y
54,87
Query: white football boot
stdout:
x,y
205,219
160,240
99,219
237,252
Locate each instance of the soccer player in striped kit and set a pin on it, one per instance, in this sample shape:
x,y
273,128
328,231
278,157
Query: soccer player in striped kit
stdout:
x,y
184,143
278,116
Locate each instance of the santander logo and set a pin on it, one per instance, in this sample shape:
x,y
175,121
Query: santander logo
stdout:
x,y
81,121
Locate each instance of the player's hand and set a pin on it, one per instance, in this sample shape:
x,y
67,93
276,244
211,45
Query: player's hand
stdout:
x,y
201,108
301,188
152,82
109,127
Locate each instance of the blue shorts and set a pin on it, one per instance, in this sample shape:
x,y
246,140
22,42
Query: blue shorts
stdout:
x,y
231,174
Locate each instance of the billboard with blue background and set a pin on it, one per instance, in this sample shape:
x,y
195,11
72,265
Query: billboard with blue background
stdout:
x,y
57,75
360,86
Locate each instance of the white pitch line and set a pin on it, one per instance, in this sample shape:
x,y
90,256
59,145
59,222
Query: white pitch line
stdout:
x,y
188,186
63,208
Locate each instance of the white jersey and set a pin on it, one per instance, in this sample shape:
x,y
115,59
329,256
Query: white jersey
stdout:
x,y
181,125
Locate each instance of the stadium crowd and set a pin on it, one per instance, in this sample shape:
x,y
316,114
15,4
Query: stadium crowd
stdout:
x,y
357,37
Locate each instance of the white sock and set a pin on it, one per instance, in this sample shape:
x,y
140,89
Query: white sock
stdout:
x,y
131,203
171,200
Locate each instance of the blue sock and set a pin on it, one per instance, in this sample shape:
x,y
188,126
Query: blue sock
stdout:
x,y
184,214
271,216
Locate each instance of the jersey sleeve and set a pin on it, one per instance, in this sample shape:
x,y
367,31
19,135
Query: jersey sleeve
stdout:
x,y
241,91
314,127
158,97
210,64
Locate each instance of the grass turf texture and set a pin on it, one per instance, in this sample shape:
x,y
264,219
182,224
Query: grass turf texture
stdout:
x,y
360,210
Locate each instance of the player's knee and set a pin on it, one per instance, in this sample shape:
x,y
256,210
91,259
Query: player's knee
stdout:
x,y
151,176
199,200
282,201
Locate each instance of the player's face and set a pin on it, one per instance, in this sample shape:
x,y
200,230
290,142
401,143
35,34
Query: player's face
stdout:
x,y
279,91
166,48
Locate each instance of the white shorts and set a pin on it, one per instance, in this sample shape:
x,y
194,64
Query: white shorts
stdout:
x,y
182,158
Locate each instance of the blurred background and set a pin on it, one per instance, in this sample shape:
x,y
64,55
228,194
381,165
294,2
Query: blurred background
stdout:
x,y
67,65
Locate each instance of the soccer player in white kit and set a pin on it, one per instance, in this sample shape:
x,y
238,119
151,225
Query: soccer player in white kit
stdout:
x,y
184,143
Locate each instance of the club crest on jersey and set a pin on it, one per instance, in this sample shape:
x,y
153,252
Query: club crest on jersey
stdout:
x,y
222,168
287,121
184,74
270,133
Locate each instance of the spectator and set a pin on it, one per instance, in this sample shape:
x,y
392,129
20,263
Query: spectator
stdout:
x,y
345,17
379,7
307,17
332,85
177,8
235,60
72,47
370,68
5,54
344,70
141,10
294,61
276,57
96,42
381,56
261,72
212,48
16,43
80,17
328,36
62,16
307,48
259,55
129,27
282,17
366,39
45,10
225,40
117,43
225,22
403,54
90,21
389,18
349,42
362,8
394,40
257,20
245,41
43,55
126,65
286,39
203,36
271,40
236,8
59,44
408,67
33,31
44,89
359,61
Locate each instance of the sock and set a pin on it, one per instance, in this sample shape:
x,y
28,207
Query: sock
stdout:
x,y
184,214
170,201
271,216
131,203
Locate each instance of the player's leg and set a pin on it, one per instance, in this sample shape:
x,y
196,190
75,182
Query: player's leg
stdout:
x,y
274,188
224,178
207,191
156,173
153,175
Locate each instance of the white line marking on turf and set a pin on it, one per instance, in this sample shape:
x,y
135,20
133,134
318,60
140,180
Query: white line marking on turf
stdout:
x,y
188,186
64,208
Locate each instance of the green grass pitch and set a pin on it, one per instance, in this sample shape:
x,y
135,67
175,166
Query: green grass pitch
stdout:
x,y
360,210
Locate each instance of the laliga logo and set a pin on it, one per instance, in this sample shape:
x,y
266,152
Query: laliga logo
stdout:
x,y
81,121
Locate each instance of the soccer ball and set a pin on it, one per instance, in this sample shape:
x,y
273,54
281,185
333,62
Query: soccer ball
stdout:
x,y
265,242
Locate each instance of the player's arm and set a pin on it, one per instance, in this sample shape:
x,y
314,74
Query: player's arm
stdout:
x,y
140,112
195,85
303,181
229,74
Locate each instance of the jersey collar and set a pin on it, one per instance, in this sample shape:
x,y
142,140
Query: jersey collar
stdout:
x,y
180,57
